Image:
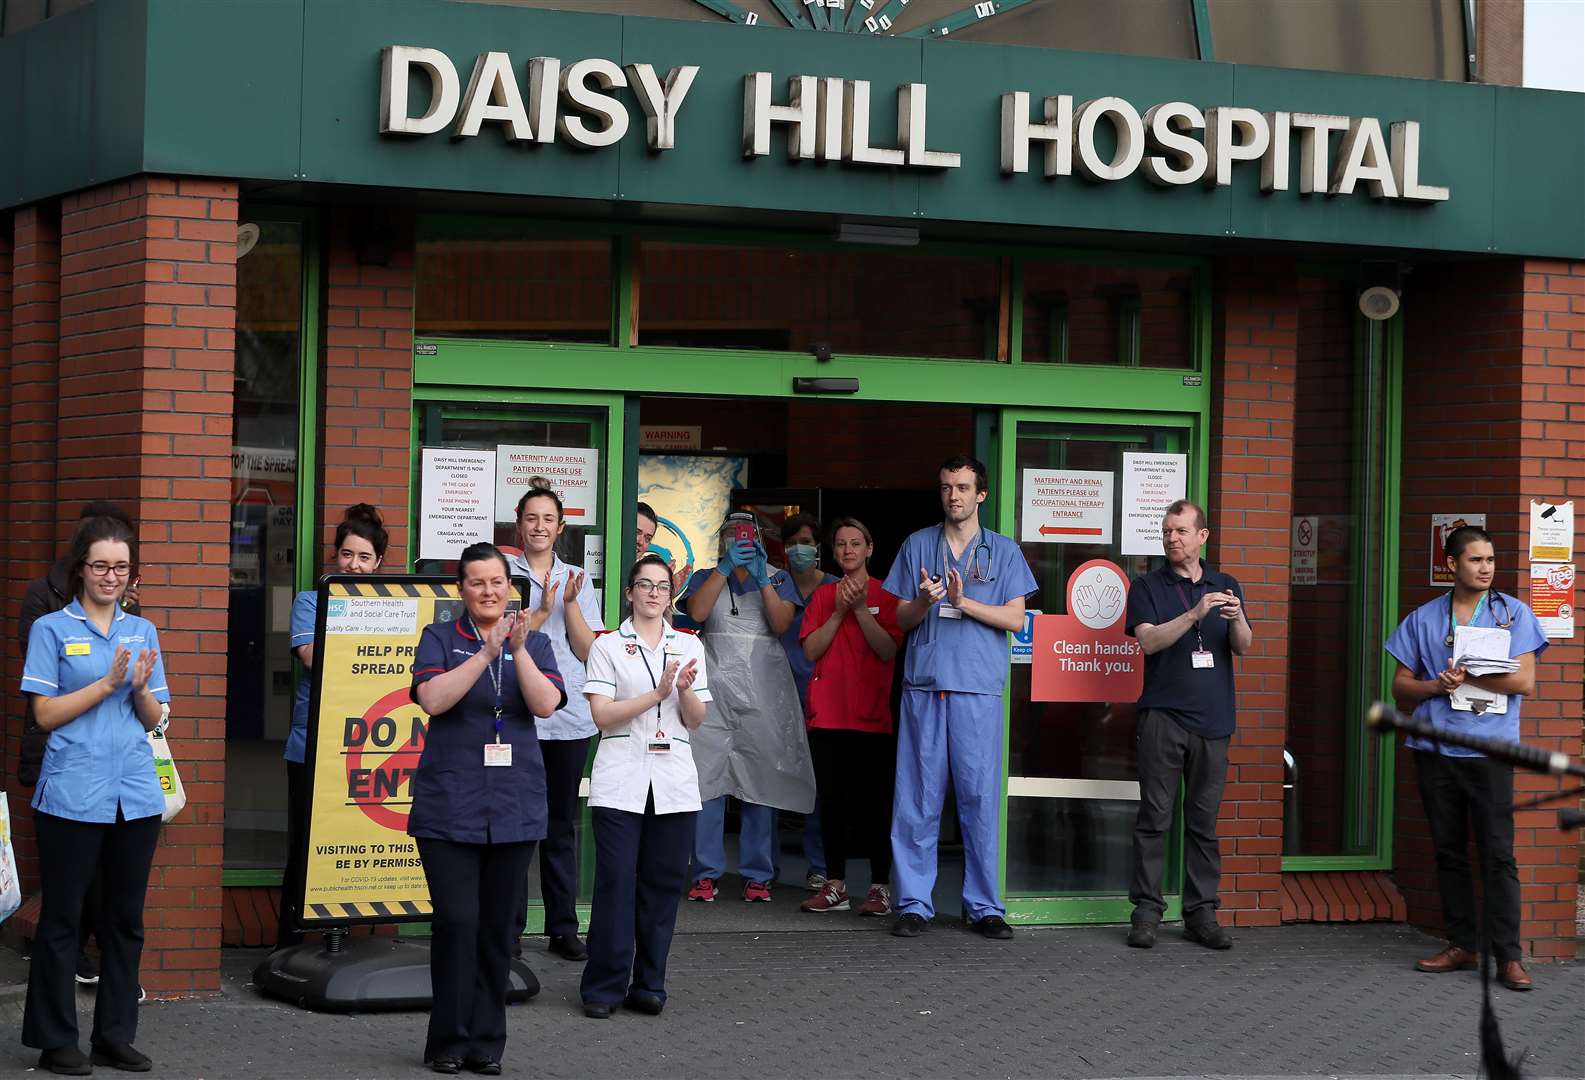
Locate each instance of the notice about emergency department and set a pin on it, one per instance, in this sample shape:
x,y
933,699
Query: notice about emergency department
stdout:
x,y
364,738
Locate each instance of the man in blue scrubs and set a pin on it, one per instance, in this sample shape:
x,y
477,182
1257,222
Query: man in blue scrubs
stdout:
x,y
1190,622
1462,789
962,590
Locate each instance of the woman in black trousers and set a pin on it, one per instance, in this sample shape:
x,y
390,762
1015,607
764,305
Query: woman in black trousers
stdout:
x,y
478,802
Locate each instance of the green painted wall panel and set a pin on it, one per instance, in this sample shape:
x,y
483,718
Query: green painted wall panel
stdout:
x,y
74,92
224,87
1539,147
707,166
966,82
1456,134
289,90
341,95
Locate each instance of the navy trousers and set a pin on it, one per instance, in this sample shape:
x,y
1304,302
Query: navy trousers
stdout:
x,y
640,871
558,852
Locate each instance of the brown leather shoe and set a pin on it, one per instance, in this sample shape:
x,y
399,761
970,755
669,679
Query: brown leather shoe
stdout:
x,y
1513,975
1451,958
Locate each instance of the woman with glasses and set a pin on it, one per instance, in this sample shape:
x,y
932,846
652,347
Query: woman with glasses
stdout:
x,y
98,687
360,545
647,691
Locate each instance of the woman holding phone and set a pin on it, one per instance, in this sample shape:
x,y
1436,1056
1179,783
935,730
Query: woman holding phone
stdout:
x,y
478,802
647,691
97,686
360,546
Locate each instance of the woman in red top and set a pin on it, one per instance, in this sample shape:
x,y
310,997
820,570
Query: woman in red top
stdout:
x,y
850,632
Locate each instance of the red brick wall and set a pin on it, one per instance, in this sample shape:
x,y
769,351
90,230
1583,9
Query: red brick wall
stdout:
x,y
10,667
31,510
120,379
1494,416
366,408
1255,360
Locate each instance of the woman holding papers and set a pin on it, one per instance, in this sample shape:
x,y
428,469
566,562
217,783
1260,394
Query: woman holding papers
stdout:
x,y
1439,647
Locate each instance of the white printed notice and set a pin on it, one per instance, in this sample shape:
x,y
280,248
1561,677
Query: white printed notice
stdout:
x,y
456,501
573,472
1551,531
1151,483
1063,506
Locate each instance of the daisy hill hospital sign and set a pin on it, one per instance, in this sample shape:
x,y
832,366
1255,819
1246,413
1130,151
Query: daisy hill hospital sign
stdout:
x,y
588,104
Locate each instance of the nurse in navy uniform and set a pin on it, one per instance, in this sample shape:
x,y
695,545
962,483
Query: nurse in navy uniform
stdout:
x,y
478,802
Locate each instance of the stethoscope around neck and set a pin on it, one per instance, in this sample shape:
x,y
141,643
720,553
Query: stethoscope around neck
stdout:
x,y
1504,621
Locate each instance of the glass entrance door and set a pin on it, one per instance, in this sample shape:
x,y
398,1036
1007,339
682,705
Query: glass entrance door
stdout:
x,y
1080,491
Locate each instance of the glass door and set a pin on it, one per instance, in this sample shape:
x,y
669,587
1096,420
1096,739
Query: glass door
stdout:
x,y
1080,493
474,456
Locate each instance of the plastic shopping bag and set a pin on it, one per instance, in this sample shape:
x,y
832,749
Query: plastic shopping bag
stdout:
x,y
10,887
165,769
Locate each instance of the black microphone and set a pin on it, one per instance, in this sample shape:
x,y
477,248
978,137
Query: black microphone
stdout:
x,y
1383,717
1571,819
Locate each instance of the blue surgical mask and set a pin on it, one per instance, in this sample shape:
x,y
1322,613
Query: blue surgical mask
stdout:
x,y
802,556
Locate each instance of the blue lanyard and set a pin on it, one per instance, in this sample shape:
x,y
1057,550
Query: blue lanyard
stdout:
x,y
1452,619
495,674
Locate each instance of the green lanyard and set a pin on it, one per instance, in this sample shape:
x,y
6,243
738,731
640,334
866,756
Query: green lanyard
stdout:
x,y
1452,619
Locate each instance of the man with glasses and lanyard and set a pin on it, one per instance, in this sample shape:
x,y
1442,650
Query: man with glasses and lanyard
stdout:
x,y
1463,789
1189,620
962,590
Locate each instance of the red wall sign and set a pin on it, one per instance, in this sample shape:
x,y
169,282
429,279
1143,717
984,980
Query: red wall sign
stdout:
x,y
1084,655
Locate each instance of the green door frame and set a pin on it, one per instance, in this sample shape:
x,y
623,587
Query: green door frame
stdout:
x,y
1191,432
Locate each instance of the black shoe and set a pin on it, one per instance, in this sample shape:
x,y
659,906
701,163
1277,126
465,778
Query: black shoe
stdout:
x,y
123,1056
1208,934
645,1002
66,1061
482,1066
597,1010
994,927
909,925
1142,935
448,1065
87,969
568,947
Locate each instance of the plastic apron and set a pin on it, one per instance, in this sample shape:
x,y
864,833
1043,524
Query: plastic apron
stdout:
x,y
752,744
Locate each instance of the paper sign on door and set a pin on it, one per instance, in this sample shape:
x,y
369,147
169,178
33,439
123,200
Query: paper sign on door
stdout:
x,y
1084,655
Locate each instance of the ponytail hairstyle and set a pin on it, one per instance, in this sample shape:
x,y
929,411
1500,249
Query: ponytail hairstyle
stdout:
x,y
93,530
364,522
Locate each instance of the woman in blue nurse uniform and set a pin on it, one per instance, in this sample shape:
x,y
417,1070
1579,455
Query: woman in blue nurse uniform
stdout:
x,y
98,687
360,546
478,802
962,589
648,690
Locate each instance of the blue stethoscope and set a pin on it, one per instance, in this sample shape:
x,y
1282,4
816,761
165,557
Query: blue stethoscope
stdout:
x,y
977,572
1504,621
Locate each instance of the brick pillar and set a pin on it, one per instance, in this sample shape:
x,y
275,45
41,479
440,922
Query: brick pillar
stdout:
x,y
1255,357
366,410
1494,382
147,327
10,654
1551,469
30,536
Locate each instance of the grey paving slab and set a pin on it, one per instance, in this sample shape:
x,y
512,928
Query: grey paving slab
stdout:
x,y
1296,1001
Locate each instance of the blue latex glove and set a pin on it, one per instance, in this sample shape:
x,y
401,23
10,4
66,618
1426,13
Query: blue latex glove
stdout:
x,y
740,554
759,566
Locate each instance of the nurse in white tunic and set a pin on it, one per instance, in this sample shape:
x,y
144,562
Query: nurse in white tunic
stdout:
x,y
647,690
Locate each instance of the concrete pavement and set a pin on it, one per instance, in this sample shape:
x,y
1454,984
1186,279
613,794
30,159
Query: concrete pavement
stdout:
x,y
1293,1001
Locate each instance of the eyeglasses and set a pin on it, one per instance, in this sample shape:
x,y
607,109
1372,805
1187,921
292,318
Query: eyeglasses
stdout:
x,y
644,585
103,569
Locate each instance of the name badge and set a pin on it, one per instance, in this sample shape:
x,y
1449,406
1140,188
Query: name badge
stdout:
x,y
79,648
659,746
877,611
498,755
1203,659
949,612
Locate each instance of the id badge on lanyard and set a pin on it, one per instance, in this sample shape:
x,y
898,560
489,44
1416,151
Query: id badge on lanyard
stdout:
x,y
944,609
660,742
1202,658
497,754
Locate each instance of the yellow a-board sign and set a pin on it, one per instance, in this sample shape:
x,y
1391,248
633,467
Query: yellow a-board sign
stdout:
x,y
365,736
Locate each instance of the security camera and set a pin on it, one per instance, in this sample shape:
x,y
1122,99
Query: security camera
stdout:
x,y
1378,303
